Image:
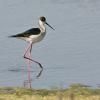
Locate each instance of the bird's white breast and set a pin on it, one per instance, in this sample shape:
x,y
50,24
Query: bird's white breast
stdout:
x,y
36,38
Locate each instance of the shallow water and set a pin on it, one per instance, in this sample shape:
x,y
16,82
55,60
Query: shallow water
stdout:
x,y
70,54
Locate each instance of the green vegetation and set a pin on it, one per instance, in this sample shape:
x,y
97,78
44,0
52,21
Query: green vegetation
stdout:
x,y
74,92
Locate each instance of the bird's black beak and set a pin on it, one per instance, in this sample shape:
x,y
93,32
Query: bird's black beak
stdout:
x,y
50,26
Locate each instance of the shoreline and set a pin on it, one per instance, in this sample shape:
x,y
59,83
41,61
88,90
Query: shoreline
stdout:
x,y
74,92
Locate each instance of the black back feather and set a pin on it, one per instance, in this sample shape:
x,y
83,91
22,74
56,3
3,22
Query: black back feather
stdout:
x,y
32,31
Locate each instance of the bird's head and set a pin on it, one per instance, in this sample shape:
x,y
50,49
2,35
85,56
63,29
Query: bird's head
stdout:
x,y
42,20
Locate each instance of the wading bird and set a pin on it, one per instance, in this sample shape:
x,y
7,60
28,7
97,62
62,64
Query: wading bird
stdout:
x,y
32,36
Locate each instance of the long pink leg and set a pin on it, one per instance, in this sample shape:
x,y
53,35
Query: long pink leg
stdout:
x,y
29,71
36,62
29,48
29,66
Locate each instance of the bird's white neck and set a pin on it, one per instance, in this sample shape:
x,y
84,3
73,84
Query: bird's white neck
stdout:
x,y
42,26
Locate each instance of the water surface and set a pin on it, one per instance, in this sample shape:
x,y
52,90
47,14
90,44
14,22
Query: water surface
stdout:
x,y
70,54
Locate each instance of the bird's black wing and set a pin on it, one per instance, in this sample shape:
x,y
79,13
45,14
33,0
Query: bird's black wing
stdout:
x,y
32,31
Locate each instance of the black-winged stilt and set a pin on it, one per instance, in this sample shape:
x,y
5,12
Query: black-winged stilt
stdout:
x,y
33,35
